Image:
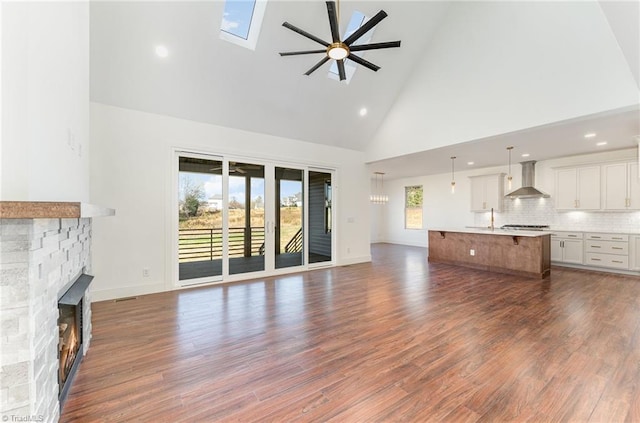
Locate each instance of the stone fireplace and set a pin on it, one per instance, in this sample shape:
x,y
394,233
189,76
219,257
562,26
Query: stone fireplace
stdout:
x,y
41,257
70,333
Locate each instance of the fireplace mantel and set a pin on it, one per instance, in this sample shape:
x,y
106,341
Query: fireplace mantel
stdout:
x,y
51,210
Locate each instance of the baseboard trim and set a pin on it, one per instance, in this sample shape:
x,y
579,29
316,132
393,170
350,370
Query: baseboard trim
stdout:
x,y
355,260
410,244
126,291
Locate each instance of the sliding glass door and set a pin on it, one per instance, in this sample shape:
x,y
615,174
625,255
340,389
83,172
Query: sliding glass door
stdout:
x,y
200,206
244,217
289,208
320,216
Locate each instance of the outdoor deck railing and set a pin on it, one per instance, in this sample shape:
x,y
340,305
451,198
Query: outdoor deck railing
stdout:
x,y
295,244
206,244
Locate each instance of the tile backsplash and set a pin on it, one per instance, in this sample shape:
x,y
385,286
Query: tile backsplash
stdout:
x,y
541,211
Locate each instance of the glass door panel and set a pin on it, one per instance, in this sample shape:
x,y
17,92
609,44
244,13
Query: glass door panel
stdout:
x,y
289,213
246,219
200,206
320,217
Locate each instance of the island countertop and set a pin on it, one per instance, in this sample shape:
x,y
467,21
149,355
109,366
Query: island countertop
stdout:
x,y
489,231
525,253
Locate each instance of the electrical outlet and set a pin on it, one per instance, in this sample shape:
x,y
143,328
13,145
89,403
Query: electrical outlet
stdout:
x,y
472,252
145,272
348,250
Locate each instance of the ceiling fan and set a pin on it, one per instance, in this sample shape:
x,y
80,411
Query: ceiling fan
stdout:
x,y
233,168
341,50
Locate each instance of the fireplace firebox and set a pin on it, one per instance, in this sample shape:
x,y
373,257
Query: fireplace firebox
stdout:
x,y
70,333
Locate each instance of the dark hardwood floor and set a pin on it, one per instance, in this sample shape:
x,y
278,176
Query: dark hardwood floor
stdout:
x,y
397,339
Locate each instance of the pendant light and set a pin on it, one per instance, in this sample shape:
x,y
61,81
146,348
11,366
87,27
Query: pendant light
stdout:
x,y
509,178
453,176
378,196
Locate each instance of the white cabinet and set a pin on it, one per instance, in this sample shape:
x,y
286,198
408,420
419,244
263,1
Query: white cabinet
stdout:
x,y
620,186
607,250
578,188
487,192
634,252
567,247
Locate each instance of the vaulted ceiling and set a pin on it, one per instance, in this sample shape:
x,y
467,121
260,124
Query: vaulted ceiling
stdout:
x,y
470,77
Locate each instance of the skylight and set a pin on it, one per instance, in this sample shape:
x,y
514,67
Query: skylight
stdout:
x,y
241,22
237,16
356,21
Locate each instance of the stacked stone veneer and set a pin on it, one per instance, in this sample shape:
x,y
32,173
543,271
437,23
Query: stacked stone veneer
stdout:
x,y
39,260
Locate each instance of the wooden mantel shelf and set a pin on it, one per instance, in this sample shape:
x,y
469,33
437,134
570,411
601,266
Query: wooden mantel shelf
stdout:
x,y
51,210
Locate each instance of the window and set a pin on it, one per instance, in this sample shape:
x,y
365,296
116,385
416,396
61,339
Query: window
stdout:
x,y
241,22
413,207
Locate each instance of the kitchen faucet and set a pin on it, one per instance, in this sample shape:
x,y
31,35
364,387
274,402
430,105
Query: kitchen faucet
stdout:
x,y
491,226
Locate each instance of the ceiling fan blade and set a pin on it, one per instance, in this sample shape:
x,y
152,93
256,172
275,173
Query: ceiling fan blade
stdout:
x,y
366,27
341,72
317,65
305,34
295,53
375,46
333,21
365,63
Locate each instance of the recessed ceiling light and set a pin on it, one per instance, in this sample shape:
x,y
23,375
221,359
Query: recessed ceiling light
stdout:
x,y
590,135
363,111
601,143
470,163
162,51
526,155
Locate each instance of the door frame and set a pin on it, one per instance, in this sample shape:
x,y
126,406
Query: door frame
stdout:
x,y
270,164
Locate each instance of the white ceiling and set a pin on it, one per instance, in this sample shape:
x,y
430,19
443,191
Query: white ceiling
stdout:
x,y
209,80
560,139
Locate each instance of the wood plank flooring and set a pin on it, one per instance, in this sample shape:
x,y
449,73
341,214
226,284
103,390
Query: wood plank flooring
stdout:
x,y
397,339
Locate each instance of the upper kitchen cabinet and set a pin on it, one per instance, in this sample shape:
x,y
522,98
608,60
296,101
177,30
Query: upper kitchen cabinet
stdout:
x,y
620,186
578,188
487,192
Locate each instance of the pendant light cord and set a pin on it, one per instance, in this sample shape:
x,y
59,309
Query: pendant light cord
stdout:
x,y
452,169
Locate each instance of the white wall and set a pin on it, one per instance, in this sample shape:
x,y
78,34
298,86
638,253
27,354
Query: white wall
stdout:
x,y
525,64
445,210
131,164
441,208
45,101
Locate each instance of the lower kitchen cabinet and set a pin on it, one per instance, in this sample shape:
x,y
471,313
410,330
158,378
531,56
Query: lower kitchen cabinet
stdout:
x,y
567,247
634,252
612,251
607,250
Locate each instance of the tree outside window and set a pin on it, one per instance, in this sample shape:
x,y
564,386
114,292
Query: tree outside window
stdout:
x,y
413,207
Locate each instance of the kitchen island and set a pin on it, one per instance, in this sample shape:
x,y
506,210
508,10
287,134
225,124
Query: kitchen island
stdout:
x,y
525,253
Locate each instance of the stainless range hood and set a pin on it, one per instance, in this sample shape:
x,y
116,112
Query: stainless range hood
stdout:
x,y
528,178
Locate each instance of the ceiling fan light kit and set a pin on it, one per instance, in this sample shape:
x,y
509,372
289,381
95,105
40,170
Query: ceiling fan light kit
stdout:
x,y
340,50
